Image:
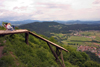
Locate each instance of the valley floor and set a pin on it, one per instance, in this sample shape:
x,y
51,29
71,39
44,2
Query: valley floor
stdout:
x,y
82,40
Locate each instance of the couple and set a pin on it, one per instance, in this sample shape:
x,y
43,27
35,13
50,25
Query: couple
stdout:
x,y
8,26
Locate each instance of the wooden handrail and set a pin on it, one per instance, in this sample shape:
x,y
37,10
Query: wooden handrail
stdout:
x,y
48,41
5,32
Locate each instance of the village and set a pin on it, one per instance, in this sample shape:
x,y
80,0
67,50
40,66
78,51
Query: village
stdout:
x,y
90,49
77,34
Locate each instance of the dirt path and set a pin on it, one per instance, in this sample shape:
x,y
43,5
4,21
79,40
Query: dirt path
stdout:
x,y
1,48
96,44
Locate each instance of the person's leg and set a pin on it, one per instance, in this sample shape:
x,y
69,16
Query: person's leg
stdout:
x,y
12,29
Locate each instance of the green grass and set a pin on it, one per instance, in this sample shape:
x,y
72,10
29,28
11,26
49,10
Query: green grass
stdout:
x,y
78,38
38,54
87,33
28,55
82,40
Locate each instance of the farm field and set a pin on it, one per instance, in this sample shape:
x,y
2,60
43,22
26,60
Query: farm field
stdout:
x,y
85,38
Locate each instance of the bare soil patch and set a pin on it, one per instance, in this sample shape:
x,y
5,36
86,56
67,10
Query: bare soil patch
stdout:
x,y
96,44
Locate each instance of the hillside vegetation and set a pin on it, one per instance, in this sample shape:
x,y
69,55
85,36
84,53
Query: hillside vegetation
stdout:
x,y
17,53
46,28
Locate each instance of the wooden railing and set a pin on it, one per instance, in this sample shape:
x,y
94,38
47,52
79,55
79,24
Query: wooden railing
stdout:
x,y
56,53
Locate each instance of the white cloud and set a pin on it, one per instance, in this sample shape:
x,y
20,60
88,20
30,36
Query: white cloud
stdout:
x,y
20,4
50,9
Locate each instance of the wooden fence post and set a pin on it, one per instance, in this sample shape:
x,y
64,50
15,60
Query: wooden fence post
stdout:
x,y
55,55
62,58
26,38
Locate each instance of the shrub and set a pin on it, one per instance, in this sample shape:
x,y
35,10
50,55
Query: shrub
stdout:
x,y
6,61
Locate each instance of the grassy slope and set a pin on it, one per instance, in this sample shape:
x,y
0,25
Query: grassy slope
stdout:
x,y
37,53
18,54
28,55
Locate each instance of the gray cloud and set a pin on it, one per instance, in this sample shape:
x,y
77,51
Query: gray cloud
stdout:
x,y
20,8
15,17
54,5
1,3
10,15
96,2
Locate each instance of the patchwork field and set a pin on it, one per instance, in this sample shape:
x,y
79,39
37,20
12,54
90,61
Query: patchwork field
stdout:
x,y
86,38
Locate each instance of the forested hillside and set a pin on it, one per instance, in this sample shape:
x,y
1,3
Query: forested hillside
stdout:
x,y
43,28
17,53
46,28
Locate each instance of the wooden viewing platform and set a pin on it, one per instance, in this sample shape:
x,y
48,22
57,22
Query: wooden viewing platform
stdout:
x,y
56,54
7,32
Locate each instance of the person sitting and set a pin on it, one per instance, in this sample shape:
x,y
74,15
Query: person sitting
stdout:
x,y
9,27
4,25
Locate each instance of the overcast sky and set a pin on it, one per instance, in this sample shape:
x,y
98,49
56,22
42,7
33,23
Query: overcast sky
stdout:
x,y
49,10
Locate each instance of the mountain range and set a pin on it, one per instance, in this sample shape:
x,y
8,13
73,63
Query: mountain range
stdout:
x,y
63,22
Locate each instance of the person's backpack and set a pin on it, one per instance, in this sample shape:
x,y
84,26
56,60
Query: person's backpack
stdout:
x,y
6,26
